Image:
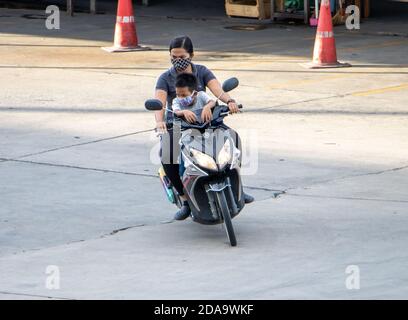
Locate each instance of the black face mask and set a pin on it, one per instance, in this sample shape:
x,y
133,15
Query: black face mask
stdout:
x,y
181,64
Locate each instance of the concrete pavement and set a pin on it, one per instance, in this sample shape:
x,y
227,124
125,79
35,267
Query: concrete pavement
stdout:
x,y
79,188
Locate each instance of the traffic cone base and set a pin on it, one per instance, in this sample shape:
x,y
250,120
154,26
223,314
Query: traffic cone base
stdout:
x,y
312,65
125,49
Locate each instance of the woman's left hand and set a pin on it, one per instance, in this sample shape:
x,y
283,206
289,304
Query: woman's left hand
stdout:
x,y
233,107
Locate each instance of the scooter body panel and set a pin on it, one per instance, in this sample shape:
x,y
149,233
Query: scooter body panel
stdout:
x,y
201,185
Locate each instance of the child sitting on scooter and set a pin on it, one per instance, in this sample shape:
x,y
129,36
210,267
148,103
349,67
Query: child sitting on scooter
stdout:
x,y
193,105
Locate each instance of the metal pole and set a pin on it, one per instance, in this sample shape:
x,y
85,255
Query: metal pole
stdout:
x,y
70,7
272,4
306,11
92,8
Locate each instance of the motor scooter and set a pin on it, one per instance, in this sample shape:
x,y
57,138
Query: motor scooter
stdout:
x,y
209,167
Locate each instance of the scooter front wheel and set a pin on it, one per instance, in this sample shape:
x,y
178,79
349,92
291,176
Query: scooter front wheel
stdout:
x,y
223,205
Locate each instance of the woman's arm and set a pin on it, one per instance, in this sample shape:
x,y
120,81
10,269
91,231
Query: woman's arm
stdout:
x,y
159,115
215,87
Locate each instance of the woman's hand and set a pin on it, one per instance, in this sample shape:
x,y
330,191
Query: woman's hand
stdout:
x,y
189,116
233,107
161,126
206,114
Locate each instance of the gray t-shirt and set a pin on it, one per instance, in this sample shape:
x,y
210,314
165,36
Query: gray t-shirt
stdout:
x,y
167,81
197,107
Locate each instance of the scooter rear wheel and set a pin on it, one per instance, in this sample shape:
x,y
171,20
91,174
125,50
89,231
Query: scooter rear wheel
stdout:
x,y
223,205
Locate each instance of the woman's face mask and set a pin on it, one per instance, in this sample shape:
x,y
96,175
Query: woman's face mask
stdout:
x,y
181,64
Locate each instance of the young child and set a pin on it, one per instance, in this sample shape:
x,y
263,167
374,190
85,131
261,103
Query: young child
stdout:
x,y
194,106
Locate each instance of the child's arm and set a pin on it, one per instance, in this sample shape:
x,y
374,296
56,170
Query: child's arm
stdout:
x,y
187,114
175,106
210,104
178,113
206,114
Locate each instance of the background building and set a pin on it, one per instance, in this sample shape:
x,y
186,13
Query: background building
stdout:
x,y
378,8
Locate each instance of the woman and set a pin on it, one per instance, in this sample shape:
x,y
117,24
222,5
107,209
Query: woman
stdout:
x,y
181,54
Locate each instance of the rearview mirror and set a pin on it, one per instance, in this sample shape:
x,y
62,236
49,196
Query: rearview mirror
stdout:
x,y
230,84
153,105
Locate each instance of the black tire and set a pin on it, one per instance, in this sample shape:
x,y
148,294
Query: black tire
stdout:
x,y
223,205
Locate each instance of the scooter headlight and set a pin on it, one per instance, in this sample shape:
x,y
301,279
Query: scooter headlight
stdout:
x,y
203,160
225,154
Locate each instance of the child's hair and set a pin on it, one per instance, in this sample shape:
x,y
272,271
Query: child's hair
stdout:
x,y
186,80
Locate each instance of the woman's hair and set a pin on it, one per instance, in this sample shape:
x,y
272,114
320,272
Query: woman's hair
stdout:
x,y
186,80
182,42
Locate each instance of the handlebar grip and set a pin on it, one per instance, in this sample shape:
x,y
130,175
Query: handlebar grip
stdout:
x,y
226,113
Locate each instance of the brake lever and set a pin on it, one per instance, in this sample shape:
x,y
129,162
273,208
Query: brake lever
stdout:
x,y
223,114
226,113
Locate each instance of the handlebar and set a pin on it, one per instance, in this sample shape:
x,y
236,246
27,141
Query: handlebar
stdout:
x,y
219,113
226,113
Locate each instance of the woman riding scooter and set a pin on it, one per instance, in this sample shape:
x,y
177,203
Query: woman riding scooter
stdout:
x,y
181,54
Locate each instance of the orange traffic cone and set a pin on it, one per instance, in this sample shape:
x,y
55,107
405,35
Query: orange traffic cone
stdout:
x,y
324,53
125,30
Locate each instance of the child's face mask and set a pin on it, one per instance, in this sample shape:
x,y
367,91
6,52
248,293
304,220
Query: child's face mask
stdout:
x,y
187,101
